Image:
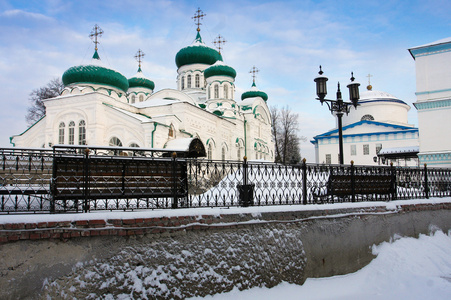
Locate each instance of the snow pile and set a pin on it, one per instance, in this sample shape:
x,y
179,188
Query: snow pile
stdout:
x,y
406,268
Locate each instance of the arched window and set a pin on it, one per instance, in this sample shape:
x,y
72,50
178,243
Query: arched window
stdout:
x,y
226,92
197,80
208,93
223,153
216,91
133,98
183,82
188,81
82,132
141,98
171,131
367,118
71,133
61,133
115,142
238,153
210,151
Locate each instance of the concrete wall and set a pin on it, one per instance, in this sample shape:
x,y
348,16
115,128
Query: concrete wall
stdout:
x,y
198,255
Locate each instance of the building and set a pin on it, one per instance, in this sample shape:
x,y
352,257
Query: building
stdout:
x,y
433,91
101,107
375,133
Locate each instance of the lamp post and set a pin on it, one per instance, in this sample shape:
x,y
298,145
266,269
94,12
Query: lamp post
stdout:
x,y
339,107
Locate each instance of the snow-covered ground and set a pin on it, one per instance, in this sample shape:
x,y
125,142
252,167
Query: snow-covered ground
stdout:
x,y
406,268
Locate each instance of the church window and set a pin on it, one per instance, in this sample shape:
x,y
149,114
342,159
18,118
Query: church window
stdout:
x,y
226,92
223,153
328,159
210,151
71,132
133,99
208,94
216,88
367,118
197,80
353,150
61,133
171,131
183,82
366,149
115,142
238,153
141,98
188,81
82,132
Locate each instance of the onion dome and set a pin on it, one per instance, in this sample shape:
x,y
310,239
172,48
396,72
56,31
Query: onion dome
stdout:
x,y
95,74
220,69
254,92
139,80
197,53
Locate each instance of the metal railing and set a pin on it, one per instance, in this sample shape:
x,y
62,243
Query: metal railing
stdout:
x,y
78,178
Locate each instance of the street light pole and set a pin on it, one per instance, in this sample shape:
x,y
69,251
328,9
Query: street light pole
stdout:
x,y
339,107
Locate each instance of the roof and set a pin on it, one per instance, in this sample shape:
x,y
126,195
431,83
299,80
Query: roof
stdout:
x,y
197,53
378,96
139,80
220,69
443,45
399,152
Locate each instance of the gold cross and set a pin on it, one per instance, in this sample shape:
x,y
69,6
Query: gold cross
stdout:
x,y
218,41
369,77
95,33
254,72
139,55
198,15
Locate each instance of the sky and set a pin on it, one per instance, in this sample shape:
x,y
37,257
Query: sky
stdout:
x,y
285,40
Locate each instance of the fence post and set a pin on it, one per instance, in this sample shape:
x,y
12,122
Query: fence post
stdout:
x,y
304,181
426,183
352,181
86,181
53,184
245,170
174,180
393,182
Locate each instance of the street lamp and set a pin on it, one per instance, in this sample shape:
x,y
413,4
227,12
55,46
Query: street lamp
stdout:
x,y
338,106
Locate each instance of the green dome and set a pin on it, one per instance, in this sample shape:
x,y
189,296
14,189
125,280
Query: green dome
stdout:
x,y
254,93
197,53
95,74
140,81
221,70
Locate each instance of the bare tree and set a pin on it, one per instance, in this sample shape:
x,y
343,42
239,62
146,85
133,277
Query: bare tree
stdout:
x,y
37,108
285,130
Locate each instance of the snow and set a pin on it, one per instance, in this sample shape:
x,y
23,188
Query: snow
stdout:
x,y
214,211
406,268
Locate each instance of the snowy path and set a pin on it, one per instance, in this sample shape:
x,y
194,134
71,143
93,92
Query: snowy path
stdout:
x,y
407,268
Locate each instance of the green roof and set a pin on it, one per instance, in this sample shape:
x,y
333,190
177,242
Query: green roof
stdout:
x,y
141,81
221,70
95,75
197,53
254,93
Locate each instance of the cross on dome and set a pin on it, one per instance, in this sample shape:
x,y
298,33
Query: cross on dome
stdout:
x,y
95,34
369,87
254,72
218,41
139,55
199,15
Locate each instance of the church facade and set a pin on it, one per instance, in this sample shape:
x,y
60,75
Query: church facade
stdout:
x,y
101,107
433,91
375,133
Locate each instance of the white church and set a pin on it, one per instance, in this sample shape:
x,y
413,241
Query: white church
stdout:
x,y
377,132
101,107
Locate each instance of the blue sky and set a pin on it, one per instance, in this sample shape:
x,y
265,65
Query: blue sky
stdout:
x,y
285,40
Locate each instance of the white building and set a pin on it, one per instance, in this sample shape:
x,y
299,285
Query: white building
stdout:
x,y
375,133
433,78
100,107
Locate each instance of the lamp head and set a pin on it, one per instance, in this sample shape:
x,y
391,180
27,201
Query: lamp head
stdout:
x,y
321,85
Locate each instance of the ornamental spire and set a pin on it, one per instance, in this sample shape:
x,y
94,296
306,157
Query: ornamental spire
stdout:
x,y
369,87
199,15
218,41
254,72
139,55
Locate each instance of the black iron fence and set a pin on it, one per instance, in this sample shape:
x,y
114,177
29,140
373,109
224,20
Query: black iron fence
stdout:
x,y
78,178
